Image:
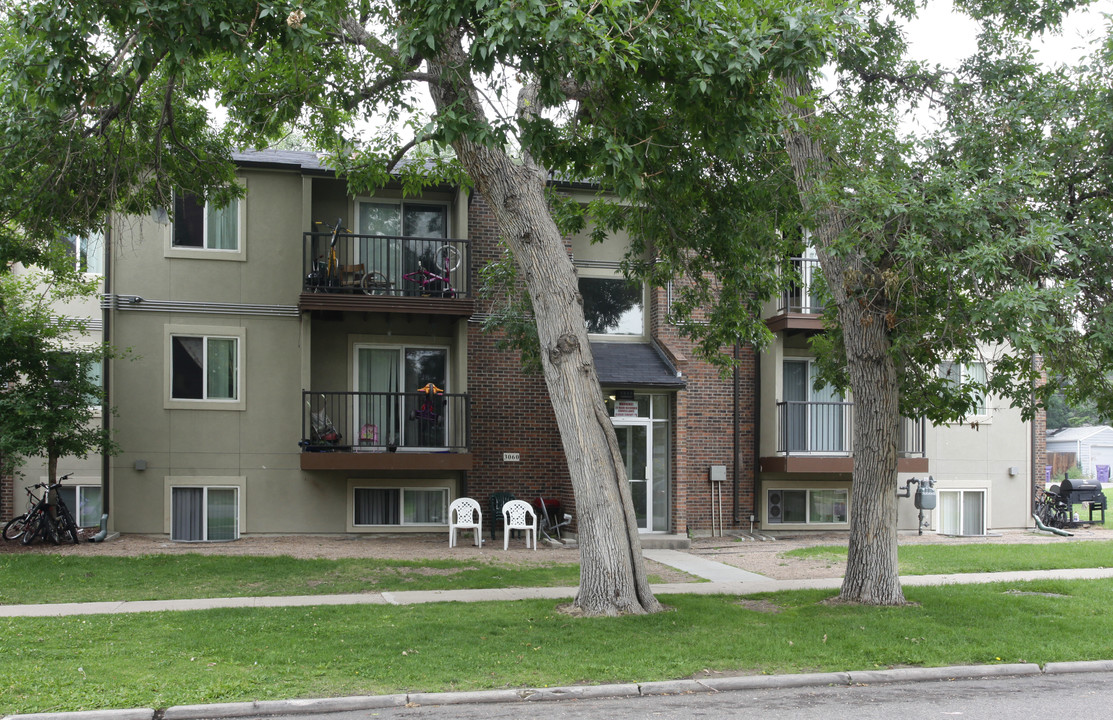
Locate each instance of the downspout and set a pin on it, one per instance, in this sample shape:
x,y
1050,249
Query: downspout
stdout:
x,y
735,516
106,416
756,434
1037,472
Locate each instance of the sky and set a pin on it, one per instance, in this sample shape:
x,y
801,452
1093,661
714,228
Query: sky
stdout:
x,y
940,35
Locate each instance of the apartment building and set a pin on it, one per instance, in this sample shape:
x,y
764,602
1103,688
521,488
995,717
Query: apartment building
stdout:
x,y
984,467
281,378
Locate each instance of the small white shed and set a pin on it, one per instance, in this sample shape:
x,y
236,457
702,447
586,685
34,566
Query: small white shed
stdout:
x,y
1092,445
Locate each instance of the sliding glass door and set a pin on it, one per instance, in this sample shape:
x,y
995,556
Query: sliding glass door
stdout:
x,y
390,410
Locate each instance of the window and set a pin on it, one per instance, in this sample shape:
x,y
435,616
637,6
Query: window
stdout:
x,y
811,420
964,374
207,513
94,372
87,252
806,506
205,226
612,306
82,371
407,238
204,368
400,506
962,512
387,406
84,501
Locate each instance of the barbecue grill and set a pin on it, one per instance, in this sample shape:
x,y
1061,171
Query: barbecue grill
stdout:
x,y
1083,490
1054,508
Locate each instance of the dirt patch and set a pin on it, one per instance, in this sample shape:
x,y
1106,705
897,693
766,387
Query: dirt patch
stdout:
x,y
762,606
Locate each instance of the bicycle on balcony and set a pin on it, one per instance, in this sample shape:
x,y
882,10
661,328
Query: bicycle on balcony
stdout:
x,y
325,275
438,281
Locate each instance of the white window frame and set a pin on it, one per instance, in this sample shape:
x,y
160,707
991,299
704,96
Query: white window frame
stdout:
x,y
94,240
961,493
204,252
79,486
239,484
979,412
400,204
431,486
595,274
358,343
807,490
206,332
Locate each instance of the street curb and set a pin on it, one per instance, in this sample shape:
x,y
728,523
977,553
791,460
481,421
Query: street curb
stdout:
x,y
576,692
281,707
132,714
1080,666
963,672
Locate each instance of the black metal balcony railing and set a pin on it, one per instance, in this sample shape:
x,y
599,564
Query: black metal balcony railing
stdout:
x,y
827,428
386,266
800,297
380,421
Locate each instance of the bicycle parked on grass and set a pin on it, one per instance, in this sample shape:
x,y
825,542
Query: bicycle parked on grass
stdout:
x,y
47,517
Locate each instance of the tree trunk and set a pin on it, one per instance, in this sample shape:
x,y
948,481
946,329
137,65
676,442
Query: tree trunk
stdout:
x,y
613,579
871,571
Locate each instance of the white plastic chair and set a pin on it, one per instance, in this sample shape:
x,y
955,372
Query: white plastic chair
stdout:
x,y
519,515
464,514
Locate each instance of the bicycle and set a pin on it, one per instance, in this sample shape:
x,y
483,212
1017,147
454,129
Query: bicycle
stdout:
x,y
446,259
330,278
1051,510
47,517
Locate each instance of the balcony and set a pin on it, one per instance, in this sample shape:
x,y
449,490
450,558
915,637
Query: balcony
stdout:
x,y
385,431
798,307
376,273
817,437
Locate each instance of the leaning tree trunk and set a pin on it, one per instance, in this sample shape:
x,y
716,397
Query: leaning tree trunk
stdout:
x,y
613,579
871,570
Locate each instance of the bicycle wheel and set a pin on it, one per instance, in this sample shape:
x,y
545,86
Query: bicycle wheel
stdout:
x,y
13,530
375,283
448,258
31,529
50,531
67,525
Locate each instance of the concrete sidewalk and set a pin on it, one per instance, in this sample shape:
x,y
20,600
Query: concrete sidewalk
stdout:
x,y
722,580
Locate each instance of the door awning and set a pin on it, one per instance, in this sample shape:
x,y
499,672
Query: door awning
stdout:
x,y
634,365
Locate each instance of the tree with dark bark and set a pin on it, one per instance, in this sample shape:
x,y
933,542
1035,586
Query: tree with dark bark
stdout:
x,y
984,240
698,122
517,92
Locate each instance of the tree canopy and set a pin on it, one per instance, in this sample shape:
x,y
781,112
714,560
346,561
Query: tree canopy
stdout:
x,y
702,126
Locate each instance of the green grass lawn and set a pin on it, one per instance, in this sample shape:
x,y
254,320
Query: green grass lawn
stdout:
x,y
946,559
38,578
162,659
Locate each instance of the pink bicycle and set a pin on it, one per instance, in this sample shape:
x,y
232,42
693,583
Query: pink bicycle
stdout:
x,y
436,282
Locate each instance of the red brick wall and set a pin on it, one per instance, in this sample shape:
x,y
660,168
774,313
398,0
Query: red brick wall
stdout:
x,y
511,412
704,428
7,493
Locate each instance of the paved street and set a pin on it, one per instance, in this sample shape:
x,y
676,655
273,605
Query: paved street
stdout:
x,y
1079,696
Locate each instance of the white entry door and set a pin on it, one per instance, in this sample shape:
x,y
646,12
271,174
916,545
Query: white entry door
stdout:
x,y
634,441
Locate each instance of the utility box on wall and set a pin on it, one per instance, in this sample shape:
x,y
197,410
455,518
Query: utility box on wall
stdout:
x,y
718,473
925,497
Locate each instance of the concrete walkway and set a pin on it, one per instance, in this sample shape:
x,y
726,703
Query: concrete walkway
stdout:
x,y
722,580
